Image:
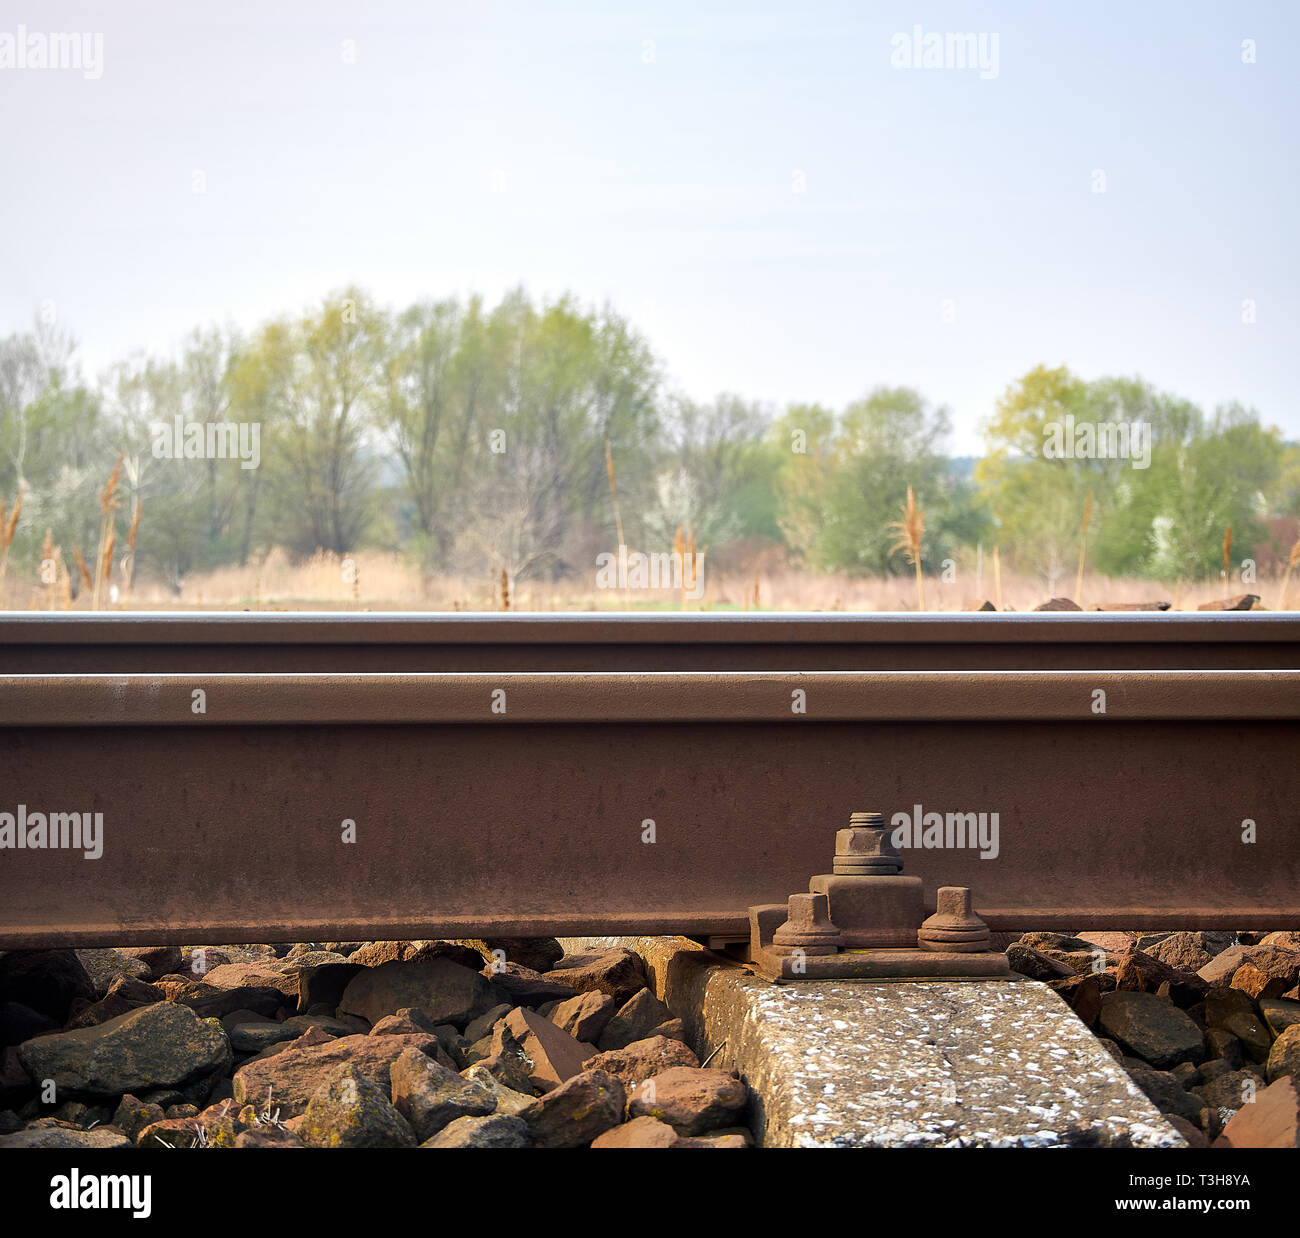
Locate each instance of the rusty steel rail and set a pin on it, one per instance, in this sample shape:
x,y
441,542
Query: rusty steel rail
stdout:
x,y
544,803
151,643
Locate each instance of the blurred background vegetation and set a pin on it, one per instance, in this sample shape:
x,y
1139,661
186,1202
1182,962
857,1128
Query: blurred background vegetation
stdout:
x,y
470,440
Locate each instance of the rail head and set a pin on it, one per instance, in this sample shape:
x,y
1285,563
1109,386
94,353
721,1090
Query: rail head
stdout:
x,y
404,628
663,697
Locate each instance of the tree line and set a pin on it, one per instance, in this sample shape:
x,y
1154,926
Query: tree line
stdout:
x,y
527,434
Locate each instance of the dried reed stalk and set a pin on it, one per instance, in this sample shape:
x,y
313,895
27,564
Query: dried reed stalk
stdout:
x,y
911,529
108,504
81,566
1286,579
106,568
690,559
8,527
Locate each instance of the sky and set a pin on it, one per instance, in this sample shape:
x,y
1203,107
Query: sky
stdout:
x,y
782,205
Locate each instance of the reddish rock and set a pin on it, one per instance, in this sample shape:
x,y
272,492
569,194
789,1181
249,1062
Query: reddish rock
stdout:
x,y
1222,1045
1284,1056
643,1132
410,1022
636,1019
1112,1048
1181,951
124,994
107,965
287,1080
349,1110
1164,1090
1194,1135
1053,941
1222,1002
736,1137
1243,601
444,991
690,1100
1157,605
576,1112
1248,1028
620,973
208,1001
643,1059
377,953
218,1126
1271,1121
1267,971
476,1029
1226,1093
268,1137
134,1115
1218,972
1112,943
159,1045
160,960
1059,604
430,1096
1279,1013
584,1017
1184,993
507,1062
538,953
555,1055
1037,965
406,1022
312,1036
497,1130
509,1099
322,988
674,1029
1139,972
521,986
1287,939
255,976
1151,1028
1083,994
64,1135
196,963
170,1133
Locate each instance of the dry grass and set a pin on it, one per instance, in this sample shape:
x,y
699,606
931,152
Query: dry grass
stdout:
x,y
380,581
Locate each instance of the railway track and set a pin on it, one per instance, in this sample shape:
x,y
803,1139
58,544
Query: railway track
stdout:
x,y
89,644
297,777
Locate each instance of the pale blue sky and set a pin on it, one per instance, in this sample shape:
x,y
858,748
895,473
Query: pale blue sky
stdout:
x,y
647,155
